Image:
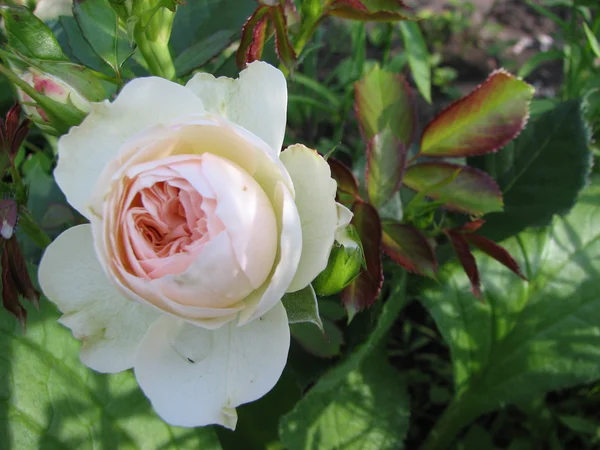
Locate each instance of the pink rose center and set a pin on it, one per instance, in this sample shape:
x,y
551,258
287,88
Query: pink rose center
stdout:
x,y
168,219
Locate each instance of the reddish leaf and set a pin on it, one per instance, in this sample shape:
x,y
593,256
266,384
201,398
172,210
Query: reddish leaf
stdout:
x,y
19,273
461,247
481,122
346,181
497,252
386,157
254,33
10,295
470,227
384,100
370,10
364,290
461,188
284,48
406,245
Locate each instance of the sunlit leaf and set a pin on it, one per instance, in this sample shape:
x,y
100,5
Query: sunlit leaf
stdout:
x,y
470,190
526,338
29,36
49,399
406,245
541,172
364,393
481,122
384,100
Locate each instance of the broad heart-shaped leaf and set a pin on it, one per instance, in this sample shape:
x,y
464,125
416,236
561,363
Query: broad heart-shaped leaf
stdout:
x,y
481,122
467,190
301,306
526,338
541,172
29,36
99,24
50,400
384,100
376,10
360,404
364,290
407,246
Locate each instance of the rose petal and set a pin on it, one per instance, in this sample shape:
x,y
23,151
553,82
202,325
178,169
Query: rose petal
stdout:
x,y
247,215
196,377
315,200
86,149
286,262
257,100
110,326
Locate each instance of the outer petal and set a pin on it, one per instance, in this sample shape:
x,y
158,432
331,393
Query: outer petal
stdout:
x,y
257,100
286,262
110,326
86,149
315,200
196,377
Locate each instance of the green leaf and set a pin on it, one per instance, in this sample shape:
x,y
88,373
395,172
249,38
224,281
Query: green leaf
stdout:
x,y
29,36
383,100
594,45
323,344
50,400
202,52
481,122
418,57
468,190
197,21
541,172
539,58
99,24
386,158
525,339
301,306
360,404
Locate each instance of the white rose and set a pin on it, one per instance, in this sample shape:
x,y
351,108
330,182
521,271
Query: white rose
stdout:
x,y
199,226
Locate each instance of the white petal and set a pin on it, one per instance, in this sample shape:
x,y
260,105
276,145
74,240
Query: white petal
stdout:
x,y
257,100
110,326
247,215
315,200
286,262
196,377
86,149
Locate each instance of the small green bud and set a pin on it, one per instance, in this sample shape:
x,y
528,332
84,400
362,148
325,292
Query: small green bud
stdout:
x,y
345,261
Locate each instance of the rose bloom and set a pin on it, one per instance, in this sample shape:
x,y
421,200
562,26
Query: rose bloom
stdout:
x,y
198,227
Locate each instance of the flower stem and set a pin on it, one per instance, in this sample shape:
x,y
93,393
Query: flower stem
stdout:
x,y
152,35
33,230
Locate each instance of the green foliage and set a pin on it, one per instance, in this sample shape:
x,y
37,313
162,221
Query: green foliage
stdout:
x,y
525,339
363,395
528,168
48,399
301,306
